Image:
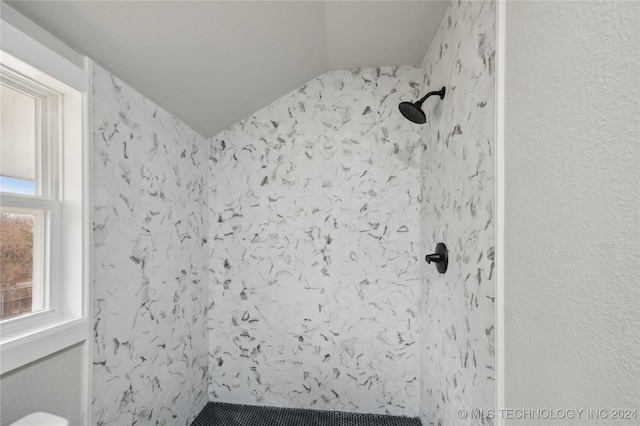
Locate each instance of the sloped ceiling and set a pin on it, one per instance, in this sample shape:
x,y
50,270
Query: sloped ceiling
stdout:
x,y
213,63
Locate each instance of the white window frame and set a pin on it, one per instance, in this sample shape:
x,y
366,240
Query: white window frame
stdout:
x,y
48,132
47,288
42,292
65,200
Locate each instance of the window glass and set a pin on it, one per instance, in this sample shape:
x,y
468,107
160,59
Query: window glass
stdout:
x,y
18,241
18,132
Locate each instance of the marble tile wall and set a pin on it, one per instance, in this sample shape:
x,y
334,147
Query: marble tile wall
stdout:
x,y
150,275
314,241
457,308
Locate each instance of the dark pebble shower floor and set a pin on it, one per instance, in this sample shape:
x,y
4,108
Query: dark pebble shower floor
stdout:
x,y
222,414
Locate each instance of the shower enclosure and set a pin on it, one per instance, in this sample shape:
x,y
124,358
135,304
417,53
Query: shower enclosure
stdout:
x,y
291,246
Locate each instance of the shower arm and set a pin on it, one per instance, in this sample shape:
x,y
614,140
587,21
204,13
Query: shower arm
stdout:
x,y
424,98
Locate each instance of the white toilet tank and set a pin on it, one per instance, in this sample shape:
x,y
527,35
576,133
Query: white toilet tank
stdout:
x,y
41,419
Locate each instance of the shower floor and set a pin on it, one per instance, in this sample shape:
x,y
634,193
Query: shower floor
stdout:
x,y
221,414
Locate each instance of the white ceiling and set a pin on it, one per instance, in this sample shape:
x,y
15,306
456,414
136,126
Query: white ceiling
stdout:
x,y
213,63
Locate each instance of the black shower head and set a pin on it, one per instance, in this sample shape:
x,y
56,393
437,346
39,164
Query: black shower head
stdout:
x,y
412,111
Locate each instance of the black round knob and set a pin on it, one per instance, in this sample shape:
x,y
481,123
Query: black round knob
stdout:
x,y
440,258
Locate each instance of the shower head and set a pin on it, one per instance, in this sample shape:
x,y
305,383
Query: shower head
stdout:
x,y
412,111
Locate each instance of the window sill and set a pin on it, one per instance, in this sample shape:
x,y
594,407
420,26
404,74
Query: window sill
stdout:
x,y
24,349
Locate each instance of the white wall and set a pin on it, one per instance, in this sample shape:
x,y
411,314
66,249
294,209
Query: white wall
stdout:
x,y
457,311
29,27
572,271
52,384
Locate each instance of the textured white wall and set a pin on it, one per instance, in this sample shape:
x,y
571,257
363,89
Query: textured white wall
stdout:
x,y
314,219
52,384
149,261
27,26
572,271
457,313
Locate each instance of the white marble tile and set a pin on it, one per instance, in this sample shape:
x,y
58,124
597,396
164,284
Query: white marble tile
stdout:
x,y
457,308
321,208
314,242
150,275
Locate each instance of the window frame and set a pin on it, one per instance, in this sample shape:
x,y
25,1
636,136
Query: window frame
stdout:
x,y
66,199
41,286
47,279
46,268
48,119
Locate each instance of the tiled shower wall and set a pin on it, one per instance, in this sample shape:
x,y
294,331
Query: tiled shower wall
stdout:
x,y
150,257
314,241
457,308
321,208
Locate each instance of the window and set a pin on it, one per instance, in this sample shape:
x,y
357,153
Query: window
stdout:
x,y
30,197
22,278
44,210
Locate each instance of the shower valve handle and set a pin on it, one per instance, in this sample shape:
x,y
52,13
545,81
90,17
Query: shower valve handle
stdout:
x,y
440,258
